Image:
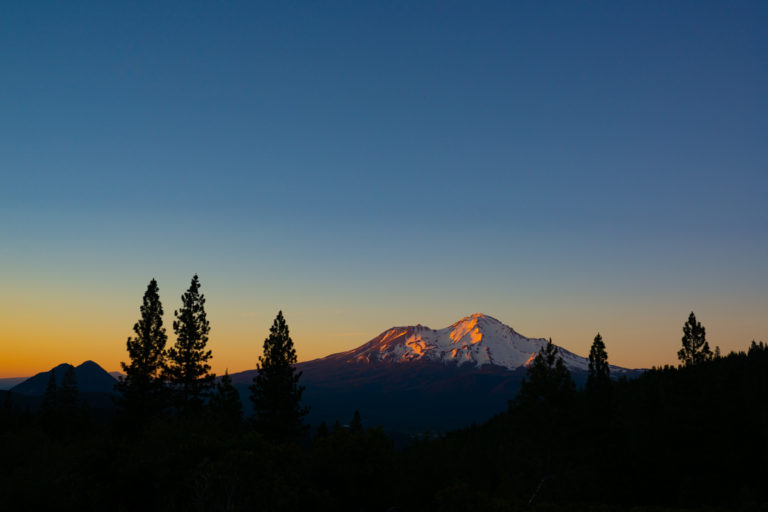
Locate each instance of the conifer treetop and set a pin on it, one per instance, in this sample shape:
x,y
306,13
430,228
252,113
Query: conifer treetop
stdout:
x,y
141,390
187,369
547,379
146,348
599,371
695,346
278,347
275,392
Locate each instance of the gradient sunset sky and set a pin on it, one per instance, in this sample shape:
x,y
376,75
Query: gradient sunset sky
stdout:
x,y
566,167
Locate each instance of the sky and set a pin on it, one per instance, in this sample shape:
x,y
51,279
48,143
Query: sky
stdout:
x,y
566,167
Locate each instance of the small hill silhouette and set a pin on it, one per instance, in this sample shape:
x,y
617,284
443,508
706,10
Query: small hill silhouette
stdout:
x,y
91,378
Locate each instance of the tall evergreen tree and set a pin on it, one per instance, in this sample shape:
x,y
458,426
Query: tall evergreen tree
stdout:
x,y
695,347
187,369
142,389
546,404
599,371
547,381
67,394
225,401
50,404
275,392
357,423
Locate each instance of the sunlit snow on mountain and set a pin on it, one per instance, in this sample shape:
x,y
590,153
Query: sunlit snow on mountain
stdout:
x,y
476,340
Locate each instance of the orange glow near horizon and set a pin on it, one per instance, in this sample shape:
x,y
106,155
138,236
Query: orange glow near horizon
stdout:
x,y
40,334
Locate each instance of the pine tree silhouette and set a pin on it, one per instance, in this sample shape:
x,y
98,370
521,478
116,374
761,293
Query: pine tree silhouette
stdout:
x,y
187,369
695,347
142,390
546,404
50,403
548,380
68,394
357,423
599,371
275,392
225,402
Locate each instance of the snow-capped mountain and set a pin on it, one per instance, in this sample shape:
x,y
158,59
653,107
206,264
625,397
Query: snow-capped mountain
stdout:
x,y
415,378
476,340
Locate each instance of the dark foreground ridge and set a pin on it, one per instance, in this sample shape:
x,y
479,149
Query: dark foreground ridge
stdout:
x,y
674,438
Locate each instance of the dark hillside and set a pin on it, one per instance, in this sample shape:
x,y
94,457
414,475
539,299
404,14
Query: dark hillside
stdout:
x,y
673,437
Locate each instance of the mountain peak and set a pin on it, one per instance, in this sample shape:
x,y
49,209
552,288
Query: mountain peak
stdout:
x,y
88,364
478,316
474,326
476,340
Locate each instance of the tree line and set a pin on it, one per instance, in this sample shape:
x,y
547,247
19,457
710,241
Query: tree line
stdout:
x,y
675,438
178,379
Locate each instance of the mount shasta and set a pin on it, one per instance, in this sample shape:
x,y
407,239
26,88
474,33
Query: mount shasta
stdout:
x,y
417,378
476,341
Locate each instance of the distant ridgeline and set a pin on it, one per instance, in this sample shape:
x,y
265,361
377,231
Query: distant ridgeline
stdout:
x,y
91,378
95,386
407,379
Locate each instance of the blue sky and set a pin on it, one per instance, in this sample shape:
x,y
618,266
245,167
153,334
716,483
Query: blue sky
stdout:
x,y
567,167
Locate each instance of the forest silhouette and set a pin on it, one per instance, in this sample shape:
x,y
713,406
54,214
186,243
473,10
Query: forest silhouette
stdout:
x,y
674,438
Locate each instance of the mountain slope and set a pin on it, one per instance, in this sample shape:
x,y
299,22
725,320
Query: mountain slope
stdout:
x,y
476,340
9,382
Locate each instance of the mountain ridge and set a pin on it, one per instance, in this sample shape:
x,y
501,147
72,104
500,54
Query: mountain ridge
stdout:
x,y
477,339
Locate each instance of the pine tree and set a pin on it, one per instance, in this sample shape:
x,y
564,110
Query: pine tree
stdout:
x,y
225,402
275,392
357,423
187,369
142,389
545,405
548,381
49,397
599,371
67,395
695,347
